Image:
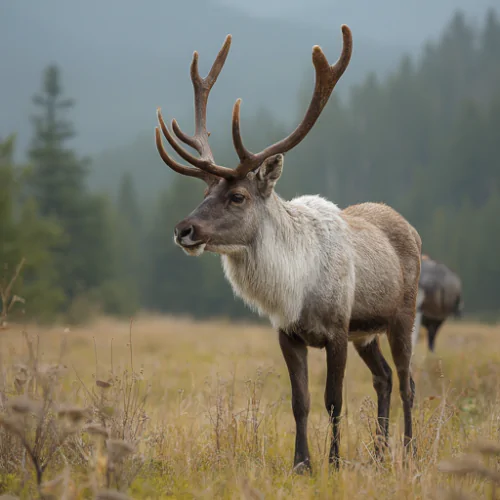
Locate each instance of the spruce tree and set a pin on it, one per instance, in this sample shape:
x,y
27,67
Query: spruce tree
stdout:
x,y
58,183
28,237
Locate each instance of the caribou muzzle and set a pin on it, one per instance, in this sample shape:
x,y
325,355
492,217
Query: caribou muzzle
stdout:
x,y
187,236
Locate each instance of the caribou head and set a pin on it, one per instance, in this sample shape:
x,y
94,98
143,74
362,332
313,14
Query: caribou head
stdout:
x,y
235,200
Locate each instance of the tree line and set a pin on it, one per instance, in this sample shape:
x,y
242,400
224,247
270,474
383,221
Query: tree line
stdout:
x,y
425,140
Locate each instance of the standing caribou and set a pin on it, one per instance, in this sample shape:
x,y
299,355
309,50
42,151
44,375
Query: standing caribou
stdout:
x,y
439,296
324,276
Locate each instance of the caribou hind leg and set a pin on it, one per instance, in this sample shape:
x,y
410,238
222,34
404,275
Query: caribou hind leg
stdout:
x,y
418,318
432,330
399,335
371,354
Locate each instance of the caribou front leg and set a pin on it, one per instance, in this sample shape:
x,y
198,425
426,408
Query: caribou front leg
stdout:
x,y
336,359
295,354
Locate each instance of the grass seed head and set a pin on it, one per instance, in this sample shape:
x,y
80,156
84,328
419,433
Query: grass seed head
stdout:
x,y
486,447
12,424
468,465
461,466
75,414
118,449
23,405
102,384
97,430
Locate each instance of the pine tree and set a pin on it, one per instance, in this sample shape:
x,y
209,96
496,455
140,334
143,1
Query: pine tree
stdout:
x,y
58,183
59,176
25,236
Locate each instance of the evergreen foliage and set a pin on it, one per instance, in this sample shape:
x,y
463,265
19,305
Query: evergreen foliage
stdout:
x,y
425,139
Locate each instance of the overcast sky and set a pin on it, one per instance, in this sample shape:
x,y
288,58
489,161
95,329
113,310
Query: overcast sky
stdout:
x,y
122,58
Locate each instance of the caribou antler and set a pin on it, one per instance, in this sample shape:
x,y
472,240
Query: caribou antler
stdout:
x,y
205,167
326,78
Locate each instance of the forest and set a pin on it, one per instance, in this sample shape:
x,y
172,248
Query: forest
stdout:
x,y
424,138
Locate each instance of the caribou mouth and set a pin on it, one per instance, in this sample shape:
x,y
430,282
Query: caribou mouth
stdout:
x,y
192,245
194,249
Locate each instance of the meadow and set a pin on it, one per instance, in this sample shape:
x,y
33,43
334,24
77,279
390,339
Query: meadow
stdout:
x,y
173,408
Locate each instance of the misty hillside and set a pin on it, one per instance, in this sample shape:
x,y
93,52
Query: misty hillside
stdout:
x,y
406,24
120,61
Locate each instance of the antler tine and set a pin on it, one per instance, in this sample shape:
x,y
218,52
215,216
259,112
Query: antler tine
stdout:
x,y
241,150
198,141
202,88
185,138
326,78
206,165
177,167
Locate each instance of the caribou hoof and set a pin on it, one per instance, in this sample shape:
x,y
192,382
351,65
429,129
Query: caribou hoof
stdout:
x,y
381,452
303,468
410,451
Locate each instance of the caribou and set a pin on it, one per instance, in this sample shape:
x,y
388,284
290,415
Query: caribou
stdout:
x,y
323,276
439,296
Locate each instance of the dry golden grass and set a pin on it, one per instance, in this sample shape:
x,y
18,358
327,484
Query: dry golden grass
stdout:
x,y
219,421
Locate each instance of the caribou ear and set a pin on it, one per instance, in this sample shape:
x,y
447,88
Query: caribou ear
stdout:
x,y
269,173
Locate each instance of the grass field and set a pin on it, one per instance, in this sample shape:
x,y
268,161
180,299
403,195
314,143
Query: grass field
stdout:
x,y
208,413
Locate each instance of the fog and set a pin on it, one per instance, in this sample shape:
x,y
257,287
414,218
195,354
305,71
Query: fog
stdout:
x,y
121,59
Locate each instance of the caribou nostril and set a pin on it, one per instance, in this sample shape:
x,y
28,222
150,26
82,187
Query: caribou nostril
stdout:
x,y
187,231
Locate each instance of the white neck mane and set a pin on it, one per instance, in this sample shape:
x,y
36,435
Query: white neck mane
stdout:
x,y
274,275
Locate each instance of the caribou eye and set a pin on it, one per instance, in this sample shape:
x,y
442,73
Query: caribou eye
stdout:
x,y
237,198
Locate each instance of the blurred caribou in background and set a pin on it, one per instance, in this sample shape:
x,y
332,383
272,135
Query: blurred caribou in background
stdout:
x,y
439,296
